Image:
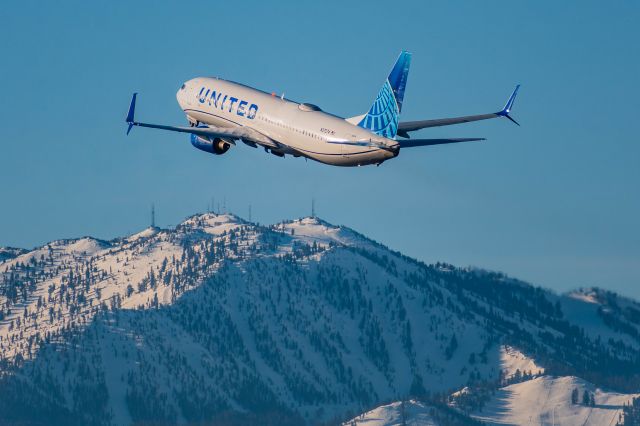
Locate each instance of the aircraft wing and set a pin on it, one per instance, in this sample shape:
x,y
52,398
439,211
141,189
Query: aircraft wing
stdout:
x,y
410,126
245,134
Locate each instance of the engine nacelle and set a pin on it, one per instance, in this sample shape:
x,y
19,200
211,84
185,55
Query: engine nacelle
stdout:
x,y
216,146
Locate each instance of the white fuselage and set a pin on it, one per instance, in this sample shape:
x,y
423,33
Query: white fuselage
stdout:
x,y
287,127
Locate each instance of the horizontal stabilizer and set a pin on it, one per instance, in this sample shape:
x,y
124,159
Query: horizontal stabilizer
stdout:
x,y
368,143
410,143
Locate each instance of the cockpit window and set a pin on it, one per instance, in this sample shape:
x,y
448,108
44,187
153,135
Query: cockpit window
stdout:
x,y
183,86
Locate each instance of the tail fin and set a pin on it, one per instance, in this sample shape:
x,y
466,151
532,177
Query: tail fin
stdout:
x,y
382,118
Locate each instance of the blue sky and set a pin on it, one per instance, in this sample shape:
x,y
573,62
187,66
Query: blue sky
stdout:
x,y
555,201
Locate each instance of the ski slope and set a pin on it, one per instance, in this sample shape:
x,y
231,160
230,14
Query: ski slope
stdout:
x,y
546,400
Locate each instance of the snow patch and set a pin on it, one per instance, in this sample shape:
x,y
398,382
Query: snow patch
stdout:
x,y
212,223
145,233
395,414
585,296
313,229
511,360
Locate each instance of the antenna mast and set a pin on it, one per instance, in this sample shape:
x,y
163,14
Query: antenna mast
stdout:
x,y
153,215
313,207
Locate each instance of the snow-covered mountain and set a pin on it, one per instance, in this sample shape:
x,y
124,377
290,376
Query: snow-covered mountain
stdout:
x,y
222,321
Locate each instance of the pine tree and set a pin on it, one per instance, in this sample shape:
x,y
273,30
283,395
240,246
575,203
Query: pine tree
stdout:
x,y
451,348
517,377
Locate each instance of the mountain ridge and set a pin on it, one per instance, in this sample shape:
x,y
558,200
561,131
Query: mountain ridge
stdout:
x,y
300,320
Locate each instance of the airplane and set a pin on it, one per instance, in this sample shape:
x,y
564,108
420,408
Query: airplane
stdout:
x,y
221,112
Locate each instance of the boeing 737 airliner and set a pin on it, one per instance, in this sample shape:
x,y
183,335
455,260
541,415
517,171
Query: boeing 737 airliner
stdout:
x,y
221,112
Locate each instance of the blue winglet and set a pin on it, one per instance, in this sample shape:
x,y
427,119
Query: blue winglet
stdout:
x,y
507,108
130,114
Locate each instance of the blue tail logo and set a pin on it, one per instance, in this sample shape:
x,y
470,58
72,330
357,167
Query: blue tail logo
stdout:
x,y
382,118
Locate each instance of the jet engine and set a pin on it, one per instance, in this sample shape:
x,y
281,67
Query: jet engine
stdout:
x,y
215,146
